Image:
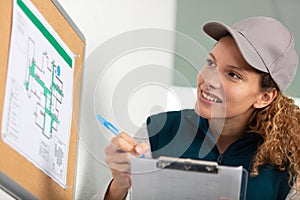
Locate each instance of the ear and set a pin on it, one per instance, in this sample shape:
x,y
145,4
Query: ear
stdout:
x,y
265,98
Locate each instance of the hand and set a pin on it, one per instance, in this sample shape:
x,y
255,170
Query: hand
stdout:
x,y
118,154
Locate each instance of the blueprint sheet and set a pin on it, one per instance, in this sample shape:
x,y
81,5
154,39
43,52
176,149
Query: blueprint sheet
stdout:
x,y
37,108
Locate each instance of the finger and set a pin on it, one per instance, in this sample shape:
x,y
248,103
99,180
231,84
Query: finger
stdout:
x,y
123,144
110,149
120,167
141,148
127,137
119,163
119,158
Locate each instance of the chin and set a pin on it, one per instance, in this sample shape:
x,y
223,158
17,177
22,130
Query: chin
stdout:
x,y
202,112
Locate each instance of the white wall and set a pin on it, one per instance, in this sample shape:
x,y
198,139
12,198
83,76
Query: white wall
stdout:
x,y
191,15
124,39
116,84
297,101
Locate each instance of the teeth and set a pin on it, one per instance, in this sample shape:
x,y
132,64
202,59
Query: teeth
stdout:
x,y
210,98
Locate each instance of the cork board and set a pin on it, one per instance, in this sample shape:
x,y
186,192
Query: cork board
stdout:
x,y
12,164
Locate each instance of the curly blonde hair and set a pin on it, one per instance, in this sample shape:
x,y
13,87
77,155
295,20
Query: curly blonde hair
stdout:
x,y
279,126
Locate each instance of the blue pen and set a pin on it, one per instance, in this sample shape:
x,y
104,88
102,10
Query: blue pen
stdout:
x,y
110,127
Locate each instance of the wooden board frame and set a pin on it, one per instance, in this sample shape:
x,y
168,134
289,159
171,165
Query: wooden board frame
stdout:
x,y
21,171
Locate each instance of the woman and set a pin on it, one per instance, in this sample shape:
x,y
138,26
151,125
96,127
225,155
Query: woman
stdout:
x,y
240,102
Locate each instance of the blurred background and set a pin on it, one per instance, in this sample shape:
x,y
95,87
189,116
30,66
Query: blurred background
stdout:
x,y
116,82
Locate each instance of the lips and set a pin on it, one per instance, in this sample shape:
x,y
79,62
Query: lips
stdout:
x,y
210,97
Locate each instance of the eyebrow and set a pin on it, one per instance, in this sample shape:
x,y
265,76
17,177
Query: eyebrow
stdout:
x,y
212,55
243,70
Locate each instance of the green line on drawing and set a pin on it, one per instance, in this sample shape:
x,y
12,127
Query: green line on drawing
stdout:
x,y
45,32
48,94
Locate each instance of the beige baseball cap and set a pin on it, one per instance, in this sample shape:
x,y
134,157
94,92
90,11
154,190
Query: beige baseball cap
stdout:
x,y
265,44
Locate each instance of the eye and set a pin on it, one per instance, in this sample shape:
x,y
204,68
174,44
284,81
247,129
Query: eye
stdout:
x,y
234,75
210,63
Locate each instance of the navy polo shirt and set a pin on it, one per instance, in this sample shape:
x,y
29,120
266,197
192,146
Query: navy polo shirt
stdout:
x,y
184,134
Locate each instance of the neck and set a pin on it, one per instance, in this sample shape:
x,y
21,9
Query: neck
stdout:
x,y
226,131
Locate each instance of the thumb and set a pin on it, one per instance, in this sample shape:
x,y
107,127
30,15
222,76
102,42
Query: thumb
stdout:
x,y
141,148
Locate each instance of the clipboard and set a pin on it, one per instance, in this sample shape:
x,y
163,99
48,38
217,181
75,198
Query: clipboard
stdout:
x,y
179,178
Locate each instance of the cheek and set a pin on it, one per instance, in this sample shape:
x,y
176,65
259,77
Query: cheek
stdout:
x,y
231,93
234,94
200,77
239,97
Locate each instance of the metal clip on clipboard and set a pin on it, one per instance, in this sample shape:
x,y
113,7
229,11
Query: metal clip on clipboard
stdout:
x,y
187,164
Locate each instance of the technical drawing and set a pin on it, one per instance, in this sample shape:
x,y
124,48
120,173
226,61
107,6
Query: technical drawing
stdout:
x,y
38,101
43,81
59,155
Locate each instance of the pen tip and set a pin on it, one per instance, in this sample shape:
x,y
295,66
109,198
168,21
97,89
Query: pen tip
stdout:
x,y
101,119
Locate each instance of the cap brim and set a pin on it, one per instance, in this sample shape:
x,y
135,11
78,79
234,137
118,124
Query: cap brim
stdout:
x,y
218,30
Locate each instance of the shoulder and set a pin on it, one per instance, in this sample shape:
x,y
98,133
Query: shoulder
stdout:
x,y
175,122
172,116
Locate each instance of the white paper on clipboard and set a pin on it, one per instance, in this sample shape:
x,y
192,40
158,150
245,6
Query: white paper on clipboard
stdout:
x,y
152,182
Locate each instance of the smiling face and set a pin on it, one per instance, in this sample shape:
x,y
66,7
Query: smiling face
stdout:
x,y
228,87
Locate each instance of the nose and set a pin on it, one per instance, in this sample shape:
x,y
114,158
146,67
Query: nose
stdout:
x,y
212,78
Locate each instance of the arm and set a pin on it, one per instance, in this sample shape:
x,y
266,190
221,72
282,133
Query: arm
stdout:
x,y
140,137
118,154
